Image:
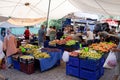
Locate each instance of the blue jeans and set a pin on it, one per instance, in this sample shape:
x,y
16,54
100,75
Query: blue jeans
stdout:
x,y
9,60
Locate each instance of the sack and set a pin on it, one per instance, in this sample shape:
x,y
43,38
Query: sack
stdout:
x,y
111,61
1,50
65,56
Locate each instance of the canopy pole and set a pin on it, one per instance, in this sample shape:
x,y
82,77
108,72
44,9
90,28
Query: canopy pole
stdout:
x,y
48,13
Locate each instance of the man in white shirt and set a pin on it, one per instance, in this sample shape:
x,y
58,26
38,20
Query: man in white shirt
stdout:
x,y
90,36
48,33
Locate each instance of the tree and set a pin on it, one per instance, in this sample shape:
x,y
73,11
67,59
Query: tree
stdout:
x,y
55,22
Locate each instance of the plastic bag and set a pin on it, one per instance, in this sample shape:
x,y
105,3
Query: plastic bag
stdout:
x,y
65,56
2,55
111,61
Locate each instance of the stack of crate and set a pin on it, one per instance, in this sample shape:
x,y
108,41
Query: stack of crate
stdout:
x,y
85,68
72,67
91,69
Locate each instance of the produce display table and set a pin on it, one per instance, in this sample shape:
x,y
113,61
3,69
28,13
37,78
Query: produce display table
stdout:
x,y
62,47
48,63
47,59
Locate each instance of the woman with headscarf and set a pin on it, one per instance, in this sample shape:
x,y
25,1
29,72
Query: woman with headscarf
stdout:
x,y
9,46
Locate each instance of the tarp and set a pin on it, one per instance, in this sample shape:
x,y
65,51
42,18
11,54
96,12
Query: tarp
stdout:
x,y
48,63
26,21
3,18
7,25
111,22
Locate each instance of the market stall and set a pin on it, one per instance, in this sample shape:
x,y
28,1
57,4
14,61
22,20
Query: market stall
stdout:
x,y
30,54
87,63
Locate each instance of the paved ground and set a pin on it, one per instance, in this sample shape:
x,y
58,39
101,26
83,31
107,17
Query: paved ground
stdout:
x,y
57,73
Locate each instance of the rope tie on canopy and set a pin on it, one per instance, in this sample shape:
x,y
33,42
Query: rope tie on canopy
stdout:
x,y
15,8
101,7
32,8
58,5
10,1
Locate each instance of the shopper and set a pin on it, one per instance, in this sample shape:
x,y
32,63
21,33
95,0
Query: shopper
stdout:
x,y
2,34
59,34
1,59
9,47
48,33
1,53
90,36
53,34
41,35
96,37
117,53
27,33
117,68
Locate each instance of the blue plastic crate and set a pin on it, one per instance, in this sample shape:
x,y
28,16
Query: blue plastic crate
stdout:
x,y
57,63
74,61
16,64
101,71
46,43
89,75
77,46
72,71
89,64
102,60
61,47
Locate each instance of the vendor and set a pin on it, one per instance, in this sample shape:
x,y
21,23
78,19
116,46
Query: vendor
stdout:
x,y
27,33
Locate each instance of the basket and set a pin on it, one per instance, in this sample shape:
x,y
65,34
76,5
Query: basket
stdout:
x,y
27,61
27,68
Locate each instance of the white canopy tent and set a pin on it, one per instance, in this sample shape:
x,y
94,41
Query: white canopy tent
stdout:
x,y
106,7
34,9
58,8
